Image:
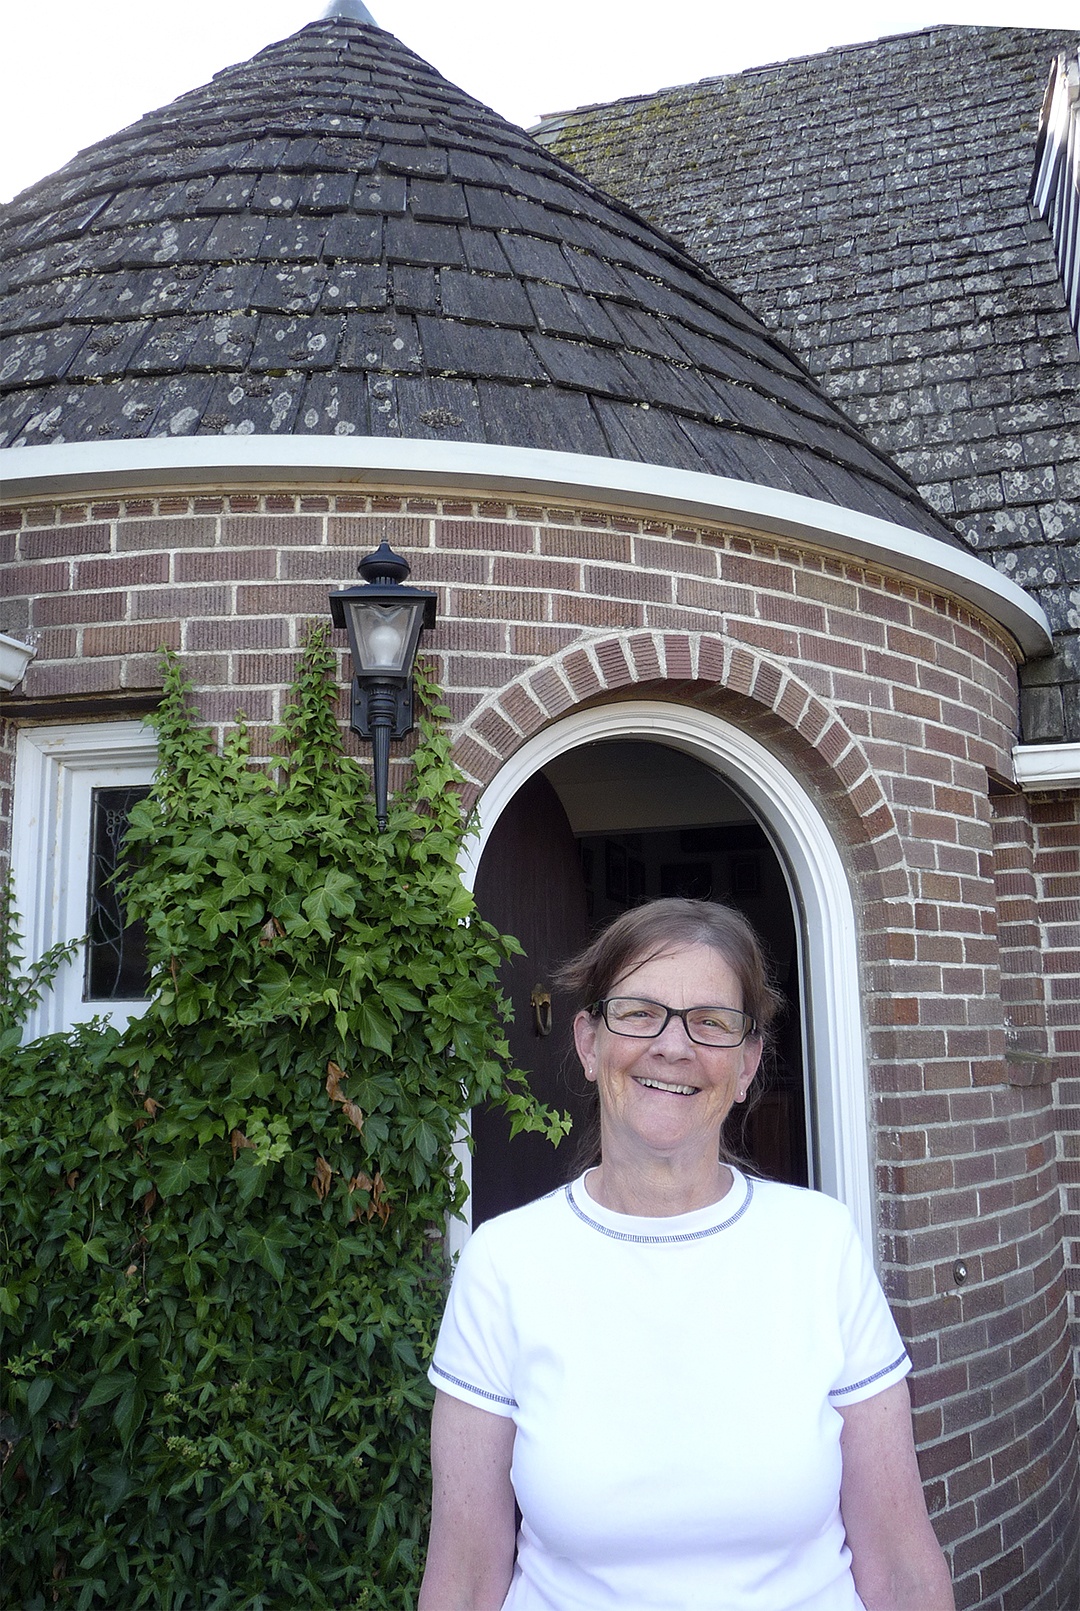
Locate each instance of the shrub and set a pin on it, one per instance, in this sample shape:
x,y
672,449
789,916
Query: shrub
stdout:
x,y
223,1262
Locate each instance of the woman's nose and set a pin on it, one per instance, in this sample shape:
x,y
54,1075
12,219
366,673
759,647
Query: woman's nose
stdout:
x,y
674,1037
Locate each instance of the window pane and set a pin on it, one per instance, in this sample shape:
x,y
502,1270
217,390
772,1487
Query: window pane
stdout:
x,y
116,967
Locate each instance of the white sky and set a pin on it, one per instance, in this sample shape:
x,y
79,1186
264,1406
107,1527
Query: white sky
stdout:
x,y
78,70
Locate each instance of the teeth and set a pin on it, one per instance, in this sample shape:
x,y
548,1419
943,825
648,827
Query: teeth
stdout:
x,y
680,1090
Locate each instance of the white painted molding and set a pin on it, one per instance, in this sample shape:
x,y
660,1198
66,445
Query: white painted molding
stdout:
x,y
821,893
1047,766
63,470
56,771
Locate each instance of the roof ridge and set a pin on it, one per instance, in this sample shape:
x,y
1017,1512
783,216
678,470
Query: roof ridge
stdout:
x,y
551,119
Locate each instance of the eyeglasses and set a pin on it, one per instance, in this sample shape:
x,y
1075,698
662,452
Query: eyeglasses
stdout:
x,y
645,1020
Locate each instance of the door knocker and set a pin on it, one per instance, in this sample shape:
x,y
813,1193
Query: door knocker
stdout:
x,y
541,1006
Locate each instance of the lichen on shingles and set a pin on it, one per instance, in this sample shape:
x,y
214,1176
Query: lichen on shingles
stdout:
x,y
335,215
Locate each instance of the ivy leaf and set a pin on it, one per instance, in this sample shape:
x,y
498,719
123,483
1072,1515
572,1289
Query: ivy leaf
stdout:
x,y
268,1246
115,1486
275,986
175,1175
128,1414
108,1387
38,1394
400,995
251,1178
336,897
374,1028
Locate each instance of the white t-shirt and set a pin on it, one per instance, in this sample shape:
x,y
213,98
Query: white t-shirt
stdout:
x,y
674,1384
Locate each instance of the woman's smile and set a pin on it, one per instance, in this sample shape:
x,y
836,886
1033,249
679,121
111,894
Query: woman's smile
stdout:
x,y
660,1085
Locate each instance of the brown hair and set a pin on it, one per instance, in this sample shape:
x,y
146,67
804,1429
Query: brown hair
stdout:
x,y
657,927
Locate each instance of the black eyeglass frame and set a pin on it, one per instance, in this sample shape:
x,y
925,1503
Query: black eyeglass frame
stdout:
x,y
599,1009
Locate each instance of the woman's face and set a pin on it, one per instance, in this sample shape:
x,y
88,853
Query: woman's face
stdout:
x,y
668,1096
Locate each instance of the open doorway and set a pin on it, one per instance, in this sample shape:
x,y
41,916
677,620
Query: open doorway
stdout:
x,y
600,828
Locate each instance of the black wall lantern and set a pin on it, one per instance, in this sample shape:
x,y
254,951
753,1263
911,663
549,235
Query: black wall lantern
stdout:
x,y
384,621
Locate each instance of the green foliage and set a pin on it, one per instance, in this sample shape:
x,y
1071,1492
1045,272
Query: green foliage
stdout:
x,y
222,1260
21,992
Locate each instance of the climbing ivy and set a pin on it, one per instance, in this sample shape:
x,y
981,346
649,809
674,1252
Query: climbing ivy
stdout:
x,y
222,1252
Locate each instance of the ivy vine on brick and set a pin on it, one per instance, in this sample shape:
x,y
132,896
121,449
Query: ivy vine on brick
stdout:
x,y
222,1256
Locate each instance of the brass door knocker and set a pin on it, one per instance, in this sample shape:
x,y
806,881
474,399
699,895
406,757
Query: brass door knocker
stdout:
x,y
541,1006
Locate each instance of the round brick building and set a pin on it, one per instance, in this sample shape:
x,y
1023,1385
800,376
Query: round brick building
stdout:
x,y
696,634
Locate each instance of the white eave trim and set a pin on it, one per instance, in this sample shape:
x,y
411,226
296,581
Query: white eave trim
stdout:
x,y
64,470
1047,766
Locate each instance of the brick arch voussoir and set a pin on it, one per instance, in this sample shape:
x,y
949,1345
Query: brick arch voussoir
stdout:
x,y
709,671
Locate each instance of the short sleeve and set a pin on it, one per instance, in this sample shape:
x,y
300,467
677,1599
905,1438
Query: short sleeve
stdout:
x,y
874,1354
475,1350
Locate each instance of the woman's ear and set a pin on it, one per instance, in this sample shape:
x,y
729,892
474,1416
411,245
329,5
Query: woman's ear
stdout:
x,y
585,1041
752,1050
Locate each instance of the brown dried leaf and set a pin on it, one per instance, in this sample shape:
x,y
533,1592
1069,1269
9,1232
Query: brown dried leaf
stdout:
x,y
149,1200
72,1178
131,1271
271,930
238,1141
361,1182
379,1204
354,1115
153,1107
320,1181
334,1076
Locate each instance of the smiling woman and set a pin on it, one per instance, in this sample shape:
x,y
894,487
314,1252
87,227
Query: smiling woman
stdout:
x,y
687,1380
664,1094
698,955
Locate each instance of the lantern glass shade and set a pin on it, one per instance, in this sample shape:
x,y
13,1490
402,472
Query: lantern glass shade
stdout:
x,y
383,635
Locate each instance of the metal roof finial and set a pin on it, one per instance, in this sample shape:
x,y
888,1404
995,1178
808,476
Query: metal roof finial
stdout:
x,y
349,8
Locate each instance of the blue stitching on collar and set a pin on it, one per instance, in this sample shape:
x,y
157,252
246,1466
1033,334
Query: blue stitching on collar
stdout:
x,y
675,1236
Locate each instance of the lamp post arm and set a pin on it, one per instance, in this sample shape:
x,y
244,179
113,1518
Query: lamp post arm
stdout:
x,y
382,716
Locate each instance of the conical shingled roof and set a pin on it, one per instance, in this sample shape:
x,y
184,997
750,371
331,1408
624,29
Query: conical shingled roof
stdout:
x,y
332,239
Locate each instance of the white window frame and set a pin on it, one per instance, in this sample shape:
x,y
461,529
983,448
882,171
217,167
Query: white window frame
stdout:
x,y
56,771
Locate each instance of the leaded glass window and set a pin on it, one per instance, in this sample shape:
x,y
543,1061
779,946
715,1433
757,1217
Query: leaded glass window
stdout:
x,y
116,968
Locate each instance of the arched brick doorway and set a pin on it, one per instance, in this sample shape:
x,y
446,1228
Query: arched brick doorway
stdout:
x,y
816,879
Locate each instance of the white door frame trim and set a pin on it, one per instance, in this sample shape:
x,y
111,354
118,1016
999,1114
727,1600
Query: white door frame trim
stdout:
x,y
820,889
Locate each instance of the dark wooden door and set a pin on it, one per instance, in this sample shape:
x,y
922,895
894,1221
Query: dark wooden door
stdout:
x,y
529,884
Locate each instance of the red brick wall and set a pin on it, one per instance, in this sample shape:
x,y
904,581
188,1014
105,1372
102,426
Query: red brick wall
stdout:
x,y
890,701
1020,939
1056,824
